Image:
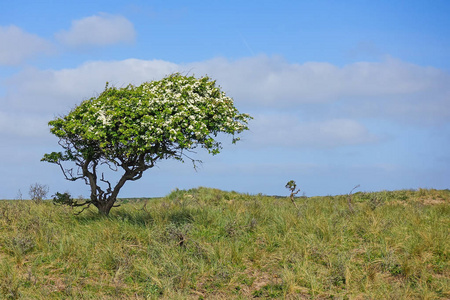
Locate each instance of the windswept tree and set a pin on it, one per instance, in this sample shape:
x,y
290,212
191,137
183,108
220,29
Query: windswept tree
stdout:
x,y
132,128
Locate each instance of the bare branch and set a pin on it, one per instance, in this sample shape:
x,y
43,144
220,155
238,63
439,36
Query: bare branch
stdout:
x,y
68,173
349,199
84,208
75,204
108,163
109,190
194,161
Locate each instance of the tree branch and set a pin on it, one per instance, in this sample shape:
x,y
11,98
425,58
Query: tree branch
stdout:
x,y
84,208
108,191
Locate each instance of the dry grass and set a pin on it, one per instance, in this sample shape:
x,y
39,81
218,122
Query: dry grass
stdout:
x,y
208,244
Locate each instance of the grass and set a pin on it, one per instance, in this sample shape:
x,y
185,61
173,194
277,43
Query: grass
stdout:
x,y
209,244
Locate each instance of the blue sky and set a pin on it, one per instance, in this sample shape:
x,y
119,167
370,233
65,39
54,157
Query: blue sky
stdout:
x,y
342,92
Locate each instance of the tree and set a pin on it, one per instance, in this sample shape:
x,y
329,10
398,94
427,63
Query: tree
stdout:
x,y
38,192
291,185
132,128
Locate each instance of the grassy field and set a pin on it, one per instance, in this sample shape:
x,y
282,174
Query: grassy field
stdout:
x,y
209,244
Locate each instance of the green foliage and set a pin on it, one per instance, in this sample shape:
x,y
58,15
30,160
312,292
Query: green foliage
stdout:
x,y
155,119
210,244
63,199
291,185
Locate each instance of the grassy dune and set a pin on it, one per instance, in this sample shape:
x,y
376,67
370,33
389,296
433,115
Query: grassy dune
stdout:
x,y
209,244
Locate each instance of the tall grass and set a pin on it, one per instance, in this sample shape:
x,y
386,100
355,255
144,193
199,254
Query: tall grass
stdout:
x,y
209,244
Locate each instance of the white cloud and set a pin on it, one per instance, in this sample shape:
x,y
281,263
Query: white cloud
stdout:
x,y
390,89
17,45
274,81
331,99
59,90
284,130
99,30
23,125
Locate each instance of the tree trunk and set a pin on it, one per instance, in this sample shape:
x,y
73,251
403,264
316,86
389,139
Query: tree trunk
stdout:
x,y
98,195
105,207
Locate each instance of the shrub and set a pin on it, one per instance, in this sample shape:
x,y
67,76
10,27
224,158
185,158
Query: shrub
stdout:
x,y
38,192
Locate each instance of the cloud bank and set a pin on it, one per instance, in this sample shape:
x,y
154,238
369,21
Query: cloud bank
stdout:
x,y
99,30
283,130
17,45
312,104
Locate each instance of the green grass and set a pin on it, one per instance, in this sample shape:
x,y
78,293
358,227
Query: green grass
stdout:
x,y
209,244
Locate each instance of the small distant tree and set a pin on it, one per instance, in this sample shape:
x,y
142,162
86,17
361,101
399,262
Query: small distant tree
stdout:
x,y
132,128
19,195
38,192
291,186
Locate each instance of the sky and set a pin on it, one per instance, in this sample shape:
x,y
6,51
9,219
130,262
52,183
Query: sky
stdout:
x,y
343,93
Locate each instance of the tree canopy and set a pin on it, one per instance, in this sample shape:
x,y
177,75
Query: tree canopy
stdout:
x,y
131,128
